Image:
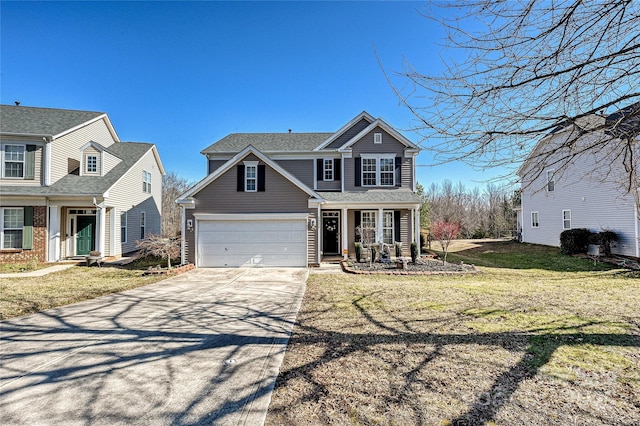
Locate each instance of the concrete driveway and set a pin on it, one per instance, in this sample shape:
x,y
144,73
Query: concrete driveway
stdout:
x,y
200,348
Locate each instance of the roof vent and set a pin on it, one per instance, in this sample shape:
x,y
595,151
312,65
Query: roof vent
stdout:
x,y
18,104
289,130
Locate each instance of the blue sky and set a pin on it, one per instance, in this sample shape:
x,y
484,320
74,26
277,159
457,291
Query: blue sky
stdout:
x,y
184,74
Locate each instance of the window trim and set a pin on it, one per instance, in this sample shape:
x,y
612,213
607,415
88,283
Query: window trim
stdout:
x,y
535,223
5,161
328,171
391,227
3,228
565,220
377,138
378,169
250,165
146,182
143,224
88,163
123,227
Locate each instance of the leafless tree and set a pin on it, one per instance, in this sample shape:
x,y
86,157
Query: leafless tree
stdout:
x,y
155,245
172,187
529,68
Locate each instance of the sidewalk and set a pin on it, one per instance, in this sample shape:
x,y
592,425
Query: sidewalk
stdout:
x,y
40,272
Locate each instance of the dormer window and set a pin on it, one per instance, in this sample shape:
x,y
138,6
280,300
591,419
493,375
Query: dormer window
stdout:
x,y
250,176
92,164
328,169
377,138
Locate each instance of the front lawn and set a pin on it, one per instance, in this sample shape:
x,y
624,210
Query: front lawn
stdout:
x,y
536,338
26,295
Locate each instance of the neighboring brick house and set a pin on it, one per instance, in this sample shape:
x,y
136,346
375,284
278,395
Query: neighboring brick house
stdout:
x,y
69,186
290,199
587,192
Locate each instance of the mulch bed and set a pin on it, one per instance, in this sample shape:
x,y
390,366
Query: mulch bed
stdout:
x,y
423,266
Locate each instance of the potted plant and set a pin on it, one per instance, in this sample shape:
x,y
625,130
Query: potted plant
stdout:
x,y
94,257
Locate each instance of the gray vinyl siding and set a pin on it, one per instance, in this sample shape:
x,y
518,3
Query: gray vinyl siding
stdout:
x,y
301,169
389,145
221,197
596,202
349,134
66,149
312,240
214,165
38,176
127,195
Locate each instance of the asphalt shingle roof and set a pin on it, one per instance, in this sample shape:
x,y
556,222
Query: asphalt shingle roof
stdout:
x,y
268,142
41,121
373,196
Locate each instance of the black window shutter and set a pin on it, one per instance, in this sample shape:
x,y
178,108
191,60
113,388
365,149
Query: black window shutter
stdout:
x,y
27,229
319,169
240,187
396,225
357,216
336,168
261,176
358,176
398,171
30,162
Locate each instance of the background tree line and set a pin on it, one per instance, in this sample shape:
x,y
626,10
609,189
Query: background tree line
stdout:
x,y
481,212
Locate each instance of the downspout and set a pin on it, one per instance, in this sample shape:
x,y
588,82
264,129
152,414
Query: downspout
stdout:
x,y
47,161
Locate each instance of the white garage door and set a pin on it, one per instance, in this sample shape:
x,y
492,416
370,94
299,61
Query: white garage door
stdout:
x,y
231,243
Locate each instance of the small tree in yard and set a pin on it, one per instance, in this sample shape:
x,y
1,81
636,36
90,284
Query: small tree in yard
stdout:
x,y
164,248
445,232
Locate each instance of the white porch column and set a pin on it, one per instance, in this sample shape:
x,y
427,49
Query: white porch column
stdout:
x,y
53,252
112,231
47,163
101,224
379,225
417,230
344,234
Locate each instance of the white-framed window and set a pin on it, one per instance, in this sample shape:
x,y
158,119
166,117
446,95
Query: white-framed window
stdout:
x,y
387,227
377,138
146,181
378,170
13,161
327,167
12,222
535,222
92,164
551,183
369,171
250,176
143,224
368,224
123,227
566,219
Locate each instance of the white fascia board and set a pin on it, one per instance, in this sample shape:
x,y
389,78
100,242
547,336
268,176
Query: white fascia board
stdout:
x,y
313,203
21,200
156,154
188,203
96,145
410,152
337,134
46,138
251,216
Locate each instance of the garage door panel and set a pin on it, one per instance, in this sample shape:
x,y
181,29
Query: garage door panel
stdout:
x,y
250,243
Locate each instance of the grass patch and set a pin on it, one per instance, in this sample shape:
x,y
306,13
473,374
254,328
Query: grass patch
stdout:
x,y
557,342
26,295
9,268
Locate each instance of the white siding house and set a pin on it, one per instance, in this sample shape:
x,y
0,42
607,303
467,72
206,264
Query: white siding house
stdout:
x,y
586,192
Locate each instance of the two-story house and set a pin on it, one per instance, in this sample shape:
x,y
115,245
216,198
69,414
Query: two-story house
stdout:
x,y
288,199
69,186
577,177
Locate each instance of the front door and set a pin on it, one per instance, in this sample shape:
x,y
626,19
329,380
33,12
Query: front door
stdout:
x,y
85,234
330,233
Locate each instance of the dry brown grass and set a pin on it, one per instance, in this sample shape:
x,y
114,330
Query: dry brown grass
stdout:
x,y
508,346
26,295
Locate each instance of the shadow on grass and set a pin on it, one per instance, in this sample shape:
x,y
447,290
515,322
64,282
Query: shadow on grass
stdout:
x,y
537,350
514,255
